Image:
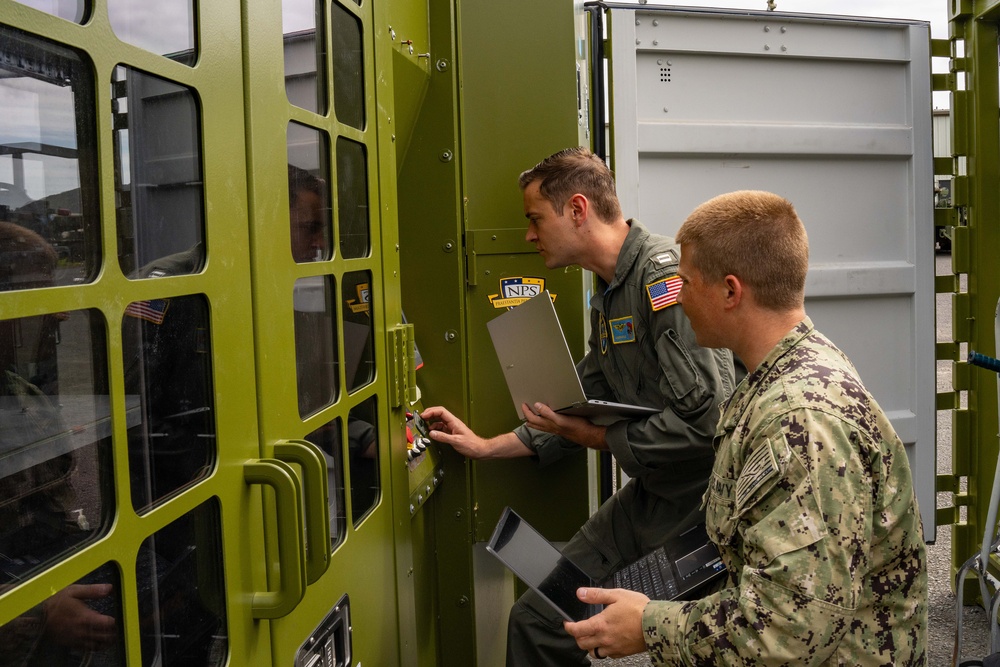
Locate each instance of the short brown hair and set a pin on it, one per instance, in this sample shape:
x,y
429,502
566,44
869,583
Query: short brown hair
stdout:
x,y
756,236
572,171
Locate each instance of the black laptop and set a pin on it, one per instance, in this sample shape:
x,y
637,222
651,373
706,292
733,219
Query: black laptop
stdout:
x,y
675,571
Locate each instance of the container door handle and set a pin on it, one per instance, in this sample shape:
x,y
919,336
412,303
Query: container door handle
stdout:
x,y
291,549
317,495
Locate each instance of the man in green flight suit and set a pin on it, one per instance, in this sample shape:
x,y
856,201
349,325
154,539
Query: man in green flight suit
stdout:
x,y
811,502
641,351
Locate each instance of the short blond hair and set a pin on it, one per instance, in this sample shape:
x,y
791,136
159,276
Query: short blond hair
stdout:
x,y
756,236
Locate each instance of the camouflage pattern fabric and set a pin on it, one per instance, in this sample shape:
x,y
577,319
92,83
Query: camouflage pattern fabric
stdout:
x,y
812,506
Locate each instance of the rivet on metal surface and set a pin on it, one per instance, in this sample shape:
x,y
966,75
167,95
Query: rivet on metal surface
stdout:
x,y
659,61
655,22
656,42
767,47
784,48
463,601
666,110
638,22
448,246
441,64
445,156
767,28
784,29
451,336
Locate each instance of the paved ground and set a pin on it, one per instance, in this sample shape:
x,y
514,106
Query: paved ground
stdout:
x,y
942,600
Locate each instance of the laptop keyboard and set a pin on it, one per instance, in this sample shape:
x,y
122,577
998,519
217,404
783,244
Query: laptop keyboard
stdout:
x,y
647,575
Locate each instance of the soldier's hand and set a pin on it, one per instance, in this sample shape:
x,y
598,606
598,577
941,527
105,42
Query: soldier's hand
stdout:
x,y
616,631
576,429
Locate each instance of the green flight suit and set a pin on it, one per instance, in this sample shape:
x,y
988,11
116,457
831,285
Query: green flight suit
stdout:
x,y
641,351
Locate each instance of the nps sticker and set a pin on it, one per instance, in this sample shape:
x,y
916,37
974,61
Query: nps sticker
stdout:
x,y
363,303
516,290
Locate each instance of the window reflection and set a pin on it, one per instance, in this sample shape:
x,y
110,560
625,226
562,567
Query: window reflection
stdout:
x,y
348,67
165,344
71,10
165,27
352,202
158,182
182,596
308,194
359,341
305,54
78,625
56,491
362,445
315,343
328,439
48,197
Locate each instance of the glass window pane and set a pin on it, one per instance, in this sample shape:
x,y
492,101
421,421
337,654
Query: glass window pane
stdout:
x,y
165,27
348,67
315,343
362,445
182,593
352,202
49,219
158,178
167,357
71,10
305,54
327,438
308,194
78,625
56,490
359,339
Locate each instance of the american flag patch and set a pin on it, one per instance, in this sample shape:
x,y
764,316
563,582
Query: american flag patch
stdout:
x,y
663,293
154,310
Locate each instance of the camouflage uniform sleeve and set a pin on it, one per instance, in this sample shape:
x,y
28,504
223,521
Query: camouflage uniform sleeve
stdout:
x,y
795,578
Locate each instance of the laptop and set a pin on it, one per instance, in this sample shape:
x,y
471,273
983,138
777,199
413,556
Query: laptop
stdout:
x,y
676,571
539,368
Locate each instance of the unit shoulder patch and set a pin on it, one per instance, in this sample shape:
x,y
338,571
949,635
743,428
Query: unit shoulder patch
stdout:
x,y
663,293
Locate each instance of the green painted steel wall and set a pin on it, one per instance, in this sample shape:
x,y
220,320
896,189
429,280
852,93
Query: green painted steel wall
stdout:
x,y
495,94
975,227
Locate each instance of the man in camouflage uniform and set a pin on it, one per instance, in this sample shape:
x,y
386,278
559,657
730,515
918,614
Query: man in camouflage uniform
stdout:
x,y
642,351
810,501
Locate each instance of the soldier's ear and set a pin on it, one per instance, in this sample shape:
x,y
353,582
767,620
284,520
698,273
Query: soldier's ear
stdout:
x,y
579,206
733,289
